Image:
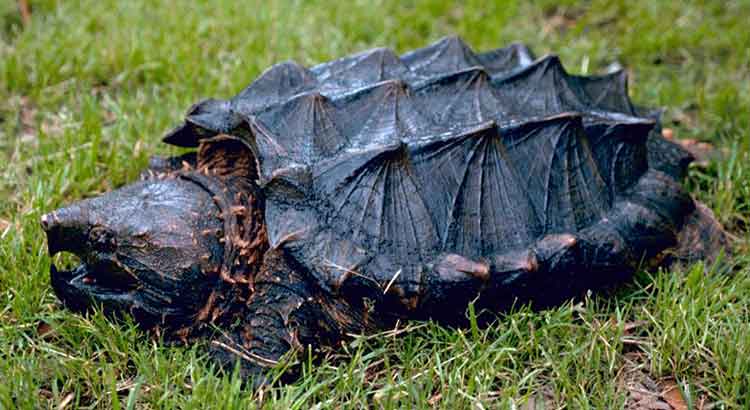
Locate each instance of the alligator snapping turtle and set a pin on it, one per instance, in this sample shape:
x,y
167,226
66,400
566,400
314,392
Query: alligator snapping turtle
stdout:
x,y
337,199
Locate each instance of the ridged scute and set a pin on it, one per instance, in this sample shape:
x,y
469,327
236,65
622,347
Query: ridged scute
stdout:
x,y
374,165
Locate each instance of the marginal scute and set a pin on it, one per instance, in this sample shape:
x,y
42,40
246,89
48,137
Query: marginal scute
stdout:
x,y
334,259
213,115
190,132
508,265
644,230
661,194
668,157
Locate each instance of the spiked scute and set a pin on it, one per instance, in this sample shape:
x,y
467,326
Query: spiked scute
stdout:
x,y
396,161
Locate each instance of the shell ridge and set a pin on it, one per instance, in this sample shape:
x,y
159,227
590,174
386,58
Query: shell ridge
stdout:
x,y
608,86
356,71
511,236
548,175
273,86
383,113
305,127
448,53
455,200
594,189
287,70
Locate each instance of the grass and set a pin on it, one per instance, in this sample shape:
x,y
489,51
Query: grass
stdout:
x,y
89,87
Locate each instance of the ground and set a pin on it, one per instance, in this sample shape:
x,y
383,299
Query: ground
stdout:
x,y
87,88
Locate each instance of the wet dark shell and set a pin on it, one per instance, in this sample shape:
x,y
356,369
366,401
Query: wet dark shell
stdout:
x,y
375,166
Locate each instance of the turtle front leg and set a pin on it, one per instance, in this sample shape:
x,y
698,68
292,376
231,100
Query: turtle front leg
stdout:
x,y
287,312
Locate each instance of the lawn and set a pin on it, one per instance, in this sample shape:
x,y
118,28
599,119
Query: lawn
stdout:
x,y
88,88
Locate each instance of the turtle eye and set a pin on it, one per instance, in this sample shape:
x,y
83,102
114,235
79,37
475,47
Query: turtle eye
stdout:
x,y
102,239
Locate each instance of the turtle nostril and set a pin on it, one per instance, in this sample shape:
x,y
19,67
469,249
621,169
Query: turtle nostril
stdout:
x,y
66,229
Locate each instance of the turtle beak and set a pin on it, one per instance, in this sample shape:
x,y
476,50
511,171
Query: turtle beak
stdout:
x,y
66,229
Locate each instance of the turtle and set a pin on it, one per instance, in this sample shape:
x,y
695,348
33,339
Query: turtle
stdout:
x,y
339,199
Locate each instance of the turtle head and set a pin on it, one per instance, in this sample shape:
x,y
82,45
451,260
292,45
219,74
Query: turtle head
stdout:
x,y
158,249
147,249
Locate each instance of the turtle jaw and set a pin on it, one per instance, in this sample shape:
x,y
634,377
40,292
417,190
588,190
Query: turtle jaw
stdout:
x,y
82,288
99,280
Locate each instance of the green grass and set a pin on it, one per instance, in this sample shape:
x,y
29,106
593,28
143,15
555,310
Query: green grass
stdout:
x,y
89,87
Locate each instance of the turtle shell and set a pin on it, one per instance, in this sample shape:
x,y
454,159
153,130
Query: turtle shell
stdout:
x,y
375,166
